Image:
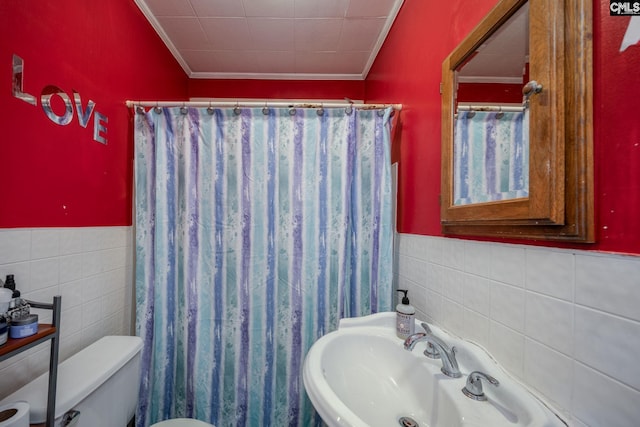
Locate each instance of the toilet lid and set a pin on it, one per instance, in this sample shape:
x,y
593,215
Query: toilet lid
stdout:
x,y
182,422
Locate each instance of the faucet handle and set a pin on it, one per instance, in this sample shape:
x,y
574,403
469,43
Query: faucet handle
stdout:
x,y
412,340
426,328
473,388
431,352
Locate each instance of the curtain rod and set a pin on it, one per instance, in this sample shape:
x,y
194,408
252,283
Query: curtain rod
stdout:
x,y
505,109
228,104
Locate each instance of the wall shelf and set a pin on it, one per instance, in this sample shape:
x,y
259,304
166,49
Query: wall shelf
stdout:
x,y
46,332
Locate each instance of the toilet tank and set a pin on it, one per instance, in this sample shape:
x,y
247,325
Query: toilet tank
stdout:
x,y
101,381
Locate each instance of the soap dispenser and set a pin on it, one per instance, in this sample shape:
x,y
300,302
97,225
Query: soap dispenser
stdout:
x,y
405,314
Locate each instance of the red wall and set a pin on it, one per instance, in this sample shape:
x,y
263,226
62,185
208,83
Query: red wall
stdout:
x,y
408,71
277,89
490,92
55,175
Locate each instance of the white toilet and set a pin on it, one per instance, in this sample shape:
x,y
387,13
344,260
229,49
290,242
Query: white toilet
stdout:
x,y
100,382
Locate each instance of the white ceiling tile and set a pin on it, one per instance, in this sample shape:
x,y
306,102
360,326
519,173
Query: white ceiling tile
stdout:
x,y
360,33
185,33
369,8
221,61
200,60
272,33
314,62
274,37
269,8
227,33
321,9
170,7
237,62
275,62
218,8
350,62
494,66
317,34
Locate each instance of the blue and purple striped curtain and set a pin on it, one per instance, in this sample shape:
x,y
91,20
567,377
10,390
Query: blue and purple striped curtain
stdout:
x,y
255,233
491,156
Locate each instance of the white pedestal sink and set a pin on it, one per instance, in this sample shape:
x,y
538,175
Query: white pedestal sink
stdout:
x,y
361,375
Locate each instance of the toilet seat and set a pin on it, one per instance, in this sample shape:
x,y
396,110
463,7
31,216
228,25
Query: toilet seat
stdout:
x,y
182,422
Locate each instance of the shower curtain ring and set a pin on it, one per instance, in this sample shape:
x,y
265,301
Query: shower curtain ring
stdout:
x,y
237,110
184,109
265,109
320,111
499,114
157,109
210,109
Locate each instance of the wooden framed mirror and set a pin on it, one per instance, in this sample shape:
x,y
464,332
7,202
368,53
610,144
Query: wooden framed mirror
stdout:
x,y
546,193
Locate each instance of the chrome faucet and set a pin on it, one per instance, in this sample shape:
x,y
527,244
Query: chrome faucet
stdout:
x,y
447,354
473,388
431,352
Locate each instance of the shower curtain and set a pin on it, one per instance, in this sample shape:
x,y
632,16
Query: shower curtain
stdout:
x,y
256,231
491,156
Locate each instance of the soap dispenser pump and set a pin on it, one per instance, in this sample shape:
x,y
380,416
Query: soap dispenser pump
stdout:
x,y
405,313
10,283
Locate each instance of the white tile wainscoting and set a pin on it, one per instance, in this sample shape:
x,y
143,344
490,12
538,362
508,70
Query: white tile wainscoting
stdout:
x,y
566,323
92,268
